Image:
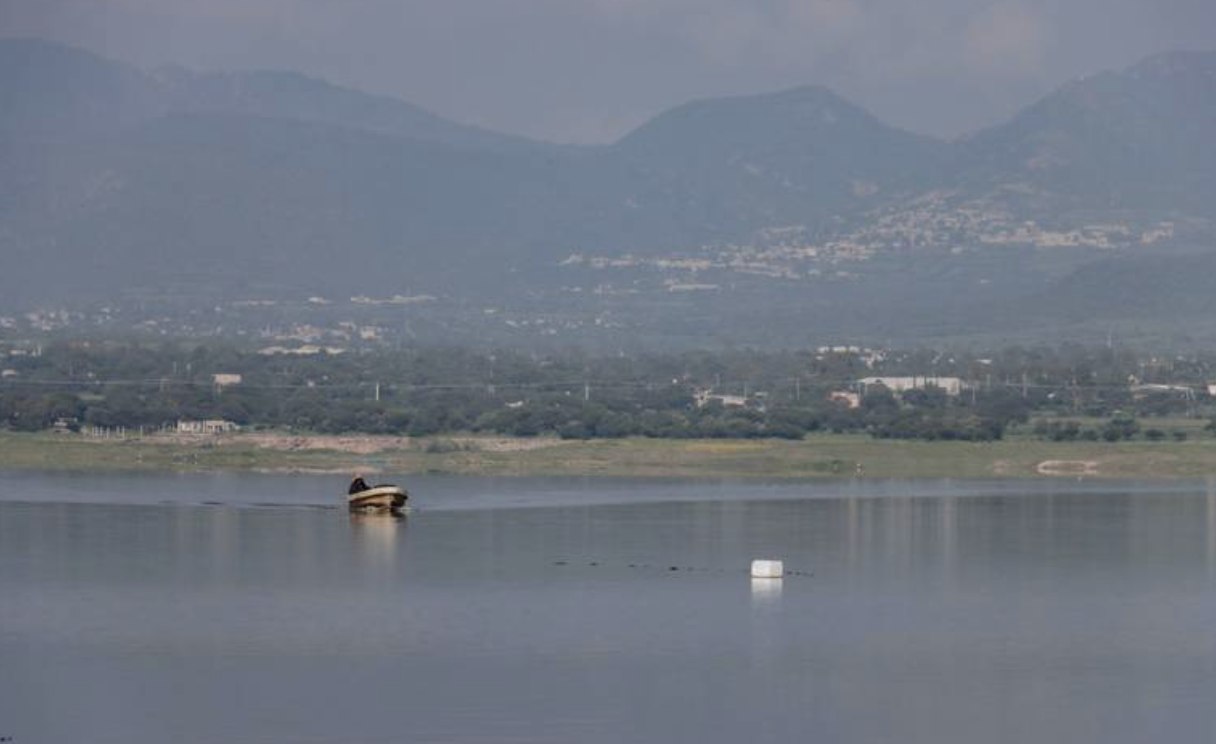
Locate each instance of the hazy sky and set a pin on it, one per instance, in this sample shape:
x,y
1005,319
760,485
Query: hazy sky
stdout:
x,y
588,70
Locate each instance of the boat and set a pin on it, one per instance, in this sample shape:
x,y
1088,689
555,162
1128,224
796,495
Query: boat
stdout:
x,y
378,498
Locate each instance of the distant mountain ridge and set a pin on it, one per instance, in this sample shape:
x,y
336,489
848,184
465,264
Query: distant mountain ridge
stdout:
x,y
290,95
798,155
53,91
799,204
1114,138
43,81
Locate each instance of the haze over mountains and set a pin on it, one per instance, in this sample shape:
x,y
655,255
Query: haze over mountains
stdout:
x,y
776,219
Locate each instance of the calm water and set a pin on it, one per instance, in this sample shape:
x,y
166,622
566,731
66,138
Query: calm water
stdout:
x,y
249,610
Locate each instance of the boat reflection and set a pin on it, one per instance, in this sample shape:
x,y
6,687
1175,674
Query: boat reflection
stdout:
x,y
376,537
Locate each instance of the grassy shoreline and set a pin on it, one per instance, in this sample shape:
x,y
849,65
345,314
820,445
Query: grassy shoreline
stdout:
x,y
818,456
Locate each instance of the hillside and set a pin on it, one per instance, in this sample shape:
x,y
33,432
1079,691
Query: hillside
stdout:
x,y
782,218
799,156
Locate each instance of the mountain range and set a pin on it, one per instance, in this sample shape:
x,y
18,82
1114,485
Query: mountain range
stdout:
x,y
776,219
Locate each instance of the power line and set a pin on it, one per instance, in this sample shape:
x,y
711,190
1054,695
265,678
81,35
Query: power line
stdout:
x,y
583,385
164,383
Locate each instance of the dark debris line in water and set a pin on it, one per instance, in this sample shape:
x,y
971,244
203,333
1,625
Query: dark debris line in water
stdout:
x,y
249,505
593,564
669,569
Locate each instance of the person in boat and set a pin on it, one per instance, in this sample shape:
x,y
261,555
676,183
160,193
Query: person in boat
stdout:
x,y
357,485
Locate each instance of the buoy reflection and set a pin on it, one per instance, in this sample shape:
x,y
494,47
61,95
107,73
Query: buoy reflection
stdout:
x,y
766,592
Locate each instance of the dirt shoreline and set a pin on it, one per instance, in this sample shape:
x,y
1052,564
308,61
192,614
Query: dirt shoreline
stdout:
x,y
816,457
354,444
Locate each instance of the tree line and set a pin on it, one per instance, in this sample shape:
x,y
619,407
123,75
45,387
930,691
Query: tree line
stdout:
x,y
710,394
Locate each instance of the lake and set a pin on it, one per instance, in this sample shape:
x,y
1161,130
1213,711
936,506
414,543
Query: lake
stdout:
x,y
239,608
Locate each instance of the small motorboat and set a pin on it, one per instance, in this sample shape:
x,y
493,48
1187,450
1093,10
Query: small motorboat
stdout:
x,y
378,498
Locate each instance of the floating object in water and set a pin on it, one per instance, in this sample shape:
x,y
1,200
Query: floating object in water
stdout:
x,y
763,569
378,498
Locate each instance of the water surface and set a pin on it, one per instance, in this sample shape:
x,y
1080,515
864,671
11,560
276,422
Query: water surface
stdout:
x,y
922,612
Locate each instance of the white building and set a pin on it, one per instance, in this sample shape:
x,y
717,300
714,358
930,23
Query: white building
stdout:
x,y
209,426
705,397
952,386
305,350
849,399
1143,390
225,380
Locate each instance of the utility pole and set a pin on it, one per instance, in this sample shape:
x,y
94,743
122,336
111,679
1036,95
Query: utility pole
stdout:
x,y
377,391
797,389
586,391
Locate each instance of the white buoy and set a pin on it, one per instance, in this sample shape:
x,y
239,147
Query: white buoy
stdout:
x,y
762,569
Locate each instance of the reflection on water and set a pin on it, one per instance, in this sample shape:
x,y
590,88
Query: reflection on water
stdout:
x,y
376,536
1070,615
1211,526
766,591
